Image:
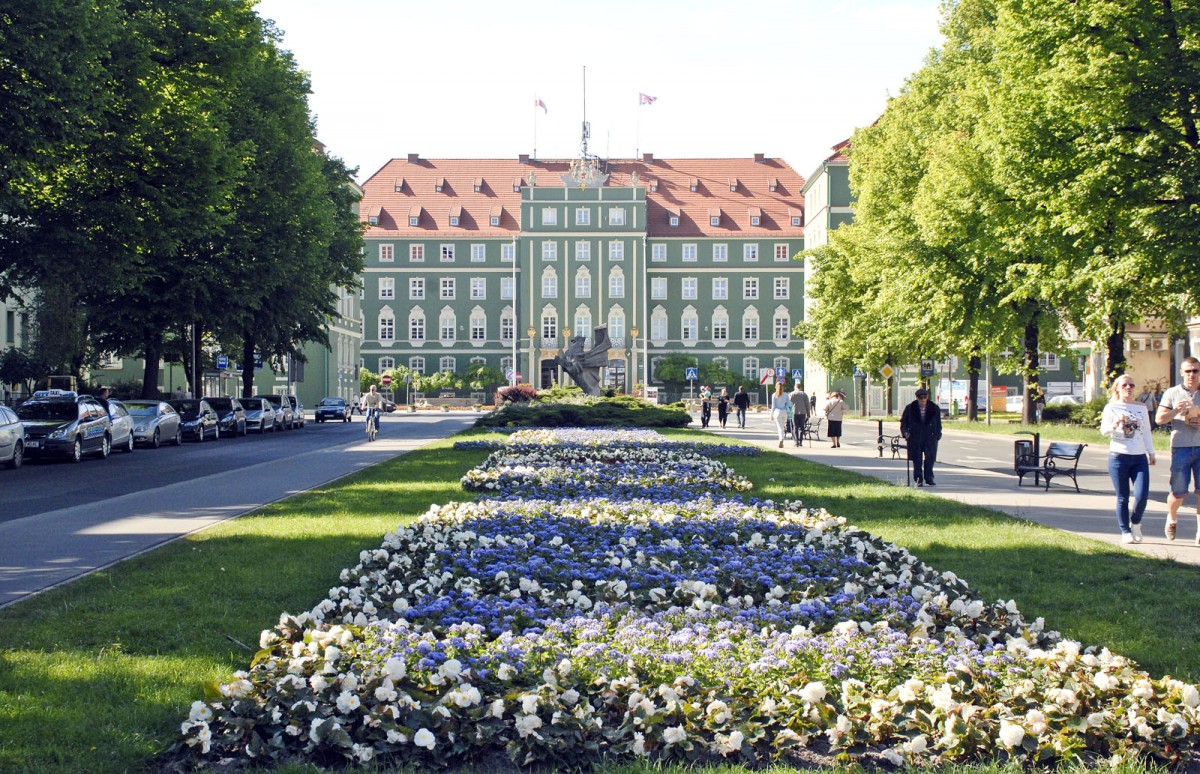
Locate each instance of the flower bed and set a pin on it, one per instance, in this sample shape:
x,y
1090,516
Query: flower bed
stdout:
x,y
675,622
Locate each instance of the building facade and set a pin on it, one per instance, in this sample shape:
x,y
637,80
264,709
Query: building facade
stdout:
x,y
502,261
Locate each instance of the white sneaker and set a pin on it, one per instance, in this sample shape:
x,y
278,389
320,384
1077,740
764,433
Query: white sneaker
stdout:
x,y
1126,538
1136,529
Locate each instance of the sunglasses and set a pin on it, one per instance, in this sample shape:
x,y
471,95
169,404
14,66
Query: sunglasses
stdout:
x,y
1191,370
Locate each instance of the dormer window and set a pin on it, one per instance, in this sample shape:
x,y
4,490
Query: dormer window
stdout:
x,y
733,185
673,217
374,215
796,217
714,217
414,217
653,185
399,184
495,214
516,185
455,216
478,184
694,184
772,184
440,184
755,216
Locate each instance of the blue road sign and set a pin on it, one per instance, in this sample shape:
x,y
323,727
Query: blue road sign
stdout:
x,y
780,372
797,374
859,373
258,364
693,374
222,362
509,374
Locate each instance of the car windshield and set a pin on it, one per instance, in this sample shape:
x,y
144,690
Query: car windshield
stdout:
x,y
59,410
142,409
332,402
221,404
251,404
188,409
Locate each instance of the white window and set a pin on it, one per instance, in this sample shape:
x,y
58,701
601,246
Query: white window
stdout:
x,y
416,288
750,253
782,253
616,251
783,327
478,253
387,253
448,364
689,287
506,363
416,253
616,216
658,288
673,220
750,325
387,288
478,327
658,327
583,284
689,325
416,327
506,288
453,220
495,220
720,326
795,220
750,288
583,216
750,367
549,284
447,253
720,253
549,250
508,327
416,365
616,284
447,325
549,216
386,364
720,288
658,253
414,220
689,253
387,327
549,326
755,220
616,324
448,288
782,288
1048,361
507,251
478,289
583,251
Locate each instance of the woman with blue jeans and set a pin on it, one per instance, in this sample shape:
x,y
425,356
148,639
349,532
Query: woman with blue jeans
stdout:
x,y
1130,454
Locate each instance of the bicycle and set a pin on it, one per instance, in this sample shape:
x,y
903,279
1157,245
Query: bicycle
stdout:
x,y
372,423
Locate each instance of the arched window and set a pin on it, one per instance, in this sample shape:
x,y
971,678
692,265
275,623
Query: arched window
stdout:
x,y
447,325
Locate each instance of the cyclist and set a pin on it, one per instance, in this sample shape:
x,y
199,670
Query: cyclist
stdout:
x,y
373,402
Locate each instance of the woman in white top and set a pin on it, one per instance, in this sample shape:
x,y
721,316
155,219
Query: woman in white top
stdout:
x,y
835,408
1130,453
781,405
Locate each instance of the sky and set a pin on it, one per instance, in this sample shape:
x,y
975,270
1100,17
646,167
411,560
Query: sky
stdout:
x,y
788,78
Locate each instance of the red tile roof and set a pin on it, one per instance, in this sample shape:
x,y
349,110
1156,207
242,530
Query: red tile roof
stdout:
x,y
481,187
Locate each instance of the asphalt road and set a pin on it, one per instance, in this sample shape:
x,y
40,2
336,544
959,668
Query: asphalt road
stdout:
x,y
60,520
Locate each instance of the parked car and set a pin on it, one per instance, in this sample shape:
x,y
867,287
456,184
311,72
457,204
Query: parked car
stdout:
x,y
260,415
122,426
1014,403
155,422
336,409
283,411
297,411
231,417
12,438
1065,400
61,423
197,419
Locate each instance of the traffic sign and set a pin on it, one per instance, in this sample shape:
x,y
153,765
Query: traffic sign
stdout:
x,y
222,362
768,375
509,374
926,366
797,374
780,373
693,374
859,373
386,379
887,371
517,377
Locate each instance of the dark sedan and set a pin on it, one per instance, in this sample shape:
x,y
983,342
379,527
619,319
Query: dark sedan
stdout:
x,y
335,409
197,419
230,415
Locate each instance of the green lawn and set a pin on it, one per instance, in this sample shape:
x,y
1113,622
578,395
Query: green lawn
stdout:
x,y
96,676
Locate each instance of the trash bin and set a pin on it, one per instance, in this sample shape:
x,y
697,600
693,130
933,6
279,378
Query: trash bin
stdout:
x,y
954,408
1023,454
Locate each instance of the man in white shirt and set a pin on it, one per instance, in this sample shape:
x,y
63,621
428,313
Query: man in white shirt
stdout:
x,y
1179,406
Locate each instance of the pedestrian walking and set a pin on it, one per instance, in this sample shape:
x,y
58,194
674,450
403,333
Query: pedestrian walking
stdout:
x,y
1126,422
835,408
1179,407
801,407
742,401
921,426
1148,399
723,406
781,406
705,406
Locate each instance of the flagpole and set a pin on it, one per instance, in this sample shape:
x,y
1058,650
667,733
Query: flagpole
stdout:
x,y
637,134
535,120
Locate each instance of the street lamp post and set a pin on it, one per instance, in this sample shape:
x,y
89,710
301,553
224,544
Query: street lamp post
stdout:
x,y
531,331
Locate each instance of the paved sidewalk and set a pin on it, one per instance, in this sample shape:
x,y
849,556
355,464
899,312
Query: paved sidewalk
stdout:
x,y
976,468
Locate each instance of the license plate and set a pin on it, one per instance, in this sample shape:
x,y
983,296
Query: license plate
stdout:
x,y
33,444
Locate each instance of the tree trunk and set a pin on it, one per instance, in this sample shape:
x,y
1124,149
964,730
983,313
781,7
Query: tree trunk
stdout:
x,y
1114,354
973,388
150,373
1033,390
247,368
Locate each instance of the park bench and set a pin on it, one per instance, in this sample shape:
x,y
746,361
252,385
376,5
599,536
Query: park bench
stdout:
x,y
1060,459
812,431
897,444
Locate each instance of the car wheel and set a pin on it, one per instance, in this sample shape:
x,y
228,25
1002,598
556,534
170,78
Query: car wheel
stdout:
x,y
155,440
217,433
77,450
129,444
106,447
244,432
178,436
18,456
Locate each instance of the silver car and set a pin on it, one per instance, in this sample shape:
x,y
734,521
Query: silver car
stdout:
x,y
283,411
122,426
12,438
260,415
154,422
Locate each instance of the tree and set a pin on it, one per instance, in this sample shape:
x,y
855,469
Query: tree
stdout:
x,y
18,366
672,370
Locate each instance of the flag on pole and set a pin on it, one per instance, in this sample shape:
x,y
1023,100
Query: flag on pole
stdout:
x,y
539,104
645,99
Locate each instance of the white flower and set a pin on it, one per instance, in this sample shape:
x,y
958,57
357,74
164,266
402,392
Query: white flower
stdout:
x,y
452,668
362,752
1191,696
639,743
529,703
1035,721
496,709
893,757
917,744
910,691
1010,734
505,672
1104,681
385,693
813,692
424,738
718,711
570,696
527,724
674,735
395,668
200,712
347,702
1096,719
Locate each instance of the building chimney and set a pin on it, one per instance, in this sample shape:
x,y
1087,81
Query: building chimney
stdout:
x,y
647,158
523,158
759,158
413,158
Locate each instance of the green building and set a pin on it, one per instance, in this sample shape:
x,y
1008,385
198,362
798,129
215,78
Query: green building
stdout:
x,y
501,261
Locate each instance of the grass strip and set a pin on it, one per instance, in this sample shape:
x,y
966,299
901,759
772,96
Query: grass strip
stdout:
x,y
97,675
